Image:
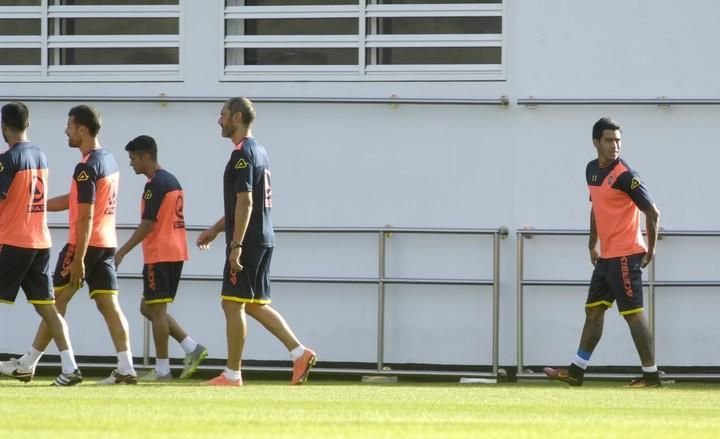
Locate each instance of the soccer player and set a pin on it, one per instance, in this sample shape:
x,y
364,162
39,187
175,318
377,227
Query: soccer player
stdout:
x,y
249,240
25,239
618,195
164,245
88,254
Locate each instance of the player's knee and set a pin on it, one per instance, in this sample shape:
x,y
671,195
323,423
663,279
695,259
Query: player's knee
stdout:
x,y
155,311
595,312
107,305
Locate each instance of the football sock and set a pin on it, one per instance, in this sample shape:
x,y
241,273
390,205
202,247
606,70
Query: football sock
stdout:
x,y
232,375
31,358
650,369
125,363
296,353
582,359
188,344
67,359
162,366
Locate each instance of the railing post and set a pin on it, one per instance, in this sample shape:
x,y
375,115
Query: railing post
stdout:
x,y
651,302
496,303
147,330
519,287
381,301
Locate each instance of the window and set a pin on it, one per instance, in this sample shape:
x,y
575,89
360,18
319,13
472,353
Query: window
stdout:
x,y
363,39
90,39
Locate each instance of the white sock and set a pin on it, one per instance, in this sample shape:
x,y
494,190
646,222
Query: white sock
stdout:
x,y
68,361
580,362
230,374
125,363
31,358
296,353
650,369
162,366
188,344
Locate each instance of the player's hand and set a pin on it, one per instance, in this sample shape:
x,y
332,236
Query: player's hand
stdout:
x,y
646,259
77,273
206,237
119,256
234,260
594,256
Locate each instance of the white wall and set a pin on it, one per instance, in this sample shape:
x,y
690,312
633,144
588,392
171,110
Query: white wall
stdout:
x,y
370,165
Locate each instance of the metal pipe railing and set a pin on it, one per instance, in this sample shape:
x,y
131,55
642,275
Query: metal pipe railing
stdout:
x,y
659,101
381,280
501,101
652,284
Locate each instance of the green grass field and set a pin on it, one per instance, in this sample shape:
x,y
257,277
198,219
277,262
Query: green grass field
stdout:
x,y
338,409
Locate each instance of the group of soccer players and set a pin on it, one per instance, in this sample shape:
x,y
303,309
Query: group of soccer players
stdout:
x,y
91,255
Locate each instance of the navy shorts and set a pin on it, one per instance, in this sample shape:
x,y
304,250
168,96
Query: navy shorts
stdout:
x,y
252,285
27,268
100,274
617,279
160,281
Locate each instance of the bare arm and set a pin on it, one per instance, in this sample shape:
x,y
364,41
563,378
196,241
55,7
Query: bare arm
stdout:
x,y
592,242
207,236
60,203
144,229
243,209
82,239
652,220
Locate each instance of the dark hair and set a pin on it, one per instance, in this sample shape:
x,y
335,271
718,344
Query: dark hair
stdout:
x,y
88,117
244,106
605,123
144,144
16,116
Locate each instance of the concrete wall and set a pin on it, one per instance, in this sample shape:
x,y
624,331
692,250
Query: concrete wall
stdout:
x,y
370,165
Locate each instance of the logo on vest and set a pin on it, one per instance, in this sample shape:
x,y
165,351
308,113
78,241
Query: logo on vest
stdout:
x,y
241,164
82,176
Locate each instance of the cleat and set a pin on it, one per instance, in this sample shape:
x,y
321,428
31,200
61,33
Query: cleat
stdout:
x,y
302,366
192,360
644,382
563,375
68,379
14,369
118,378
220,380
153,377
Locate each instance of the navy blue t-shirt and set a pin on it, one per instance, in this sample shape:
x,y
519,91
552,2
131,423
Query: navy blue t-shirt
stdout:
x,y
248,170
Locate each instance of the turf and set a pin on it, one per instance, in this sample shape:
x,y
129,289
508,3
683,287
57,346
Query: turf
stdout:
x,y
273,409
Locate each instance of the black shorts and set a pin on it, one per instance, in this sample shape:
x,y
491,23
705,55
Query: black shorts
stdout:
x,y
100,273
617,279
27,268
252,285
160,281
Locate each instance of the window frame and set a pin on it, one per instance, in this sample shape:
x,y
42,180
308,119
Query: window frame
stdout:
x,y
365,39
45,72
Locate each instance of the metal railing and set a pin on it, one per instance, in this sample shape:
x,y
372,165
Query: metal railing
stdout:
x,y
652,284
661,101
381,280
501,101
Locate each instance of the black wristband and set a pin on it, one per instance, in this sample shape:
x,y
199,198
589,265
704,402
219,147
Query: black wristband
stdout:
x,y
235,244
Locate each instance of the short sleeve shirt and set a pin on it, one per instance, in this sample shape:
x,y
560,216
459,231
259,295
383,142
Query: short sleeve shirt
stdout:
x,y
248,170
163,202
617,194
23,189
95,181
